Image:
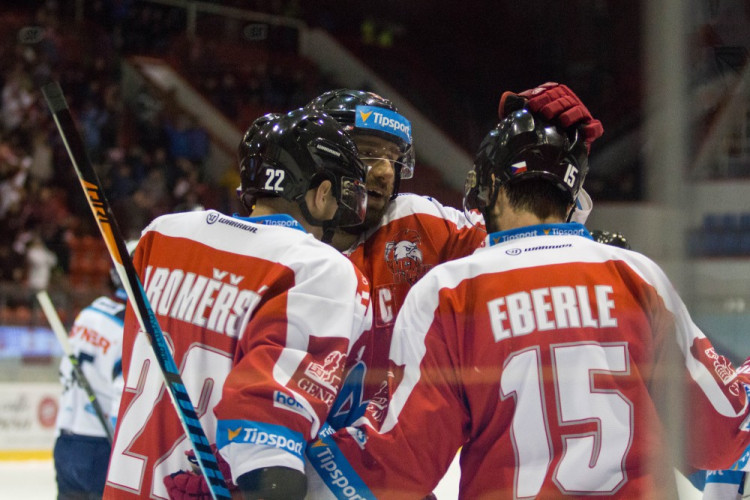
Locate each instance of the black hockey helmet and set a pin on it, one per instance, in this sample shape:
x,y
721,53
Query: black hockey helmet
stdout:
x,y
367,113
285,155
523,146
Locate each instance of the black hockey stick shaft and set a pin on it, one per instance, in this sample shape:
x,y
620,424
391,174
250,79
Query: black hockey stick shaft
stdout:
x,y
102,211
62,336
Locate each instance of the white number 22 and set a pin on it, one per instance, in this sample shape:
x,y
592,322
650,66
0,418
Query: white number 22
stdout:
x,y
590,463
275,178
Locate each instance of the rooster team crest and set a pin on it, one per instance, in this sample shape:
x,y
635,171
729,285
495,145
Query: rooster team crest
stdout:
x,y
404,258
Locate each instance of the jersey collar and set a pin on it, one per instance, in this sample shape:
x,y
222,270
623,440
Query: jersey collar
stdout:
x,y
283,220
562,228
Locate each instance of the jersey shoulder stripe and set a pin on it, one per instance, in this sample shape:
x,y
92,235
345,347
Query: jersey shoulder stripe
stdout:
x,y
407,204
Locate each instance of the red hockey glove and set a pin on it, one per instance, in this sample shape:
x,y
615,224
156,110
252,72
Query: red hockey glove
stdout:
x,y
192,485
187,485
555,102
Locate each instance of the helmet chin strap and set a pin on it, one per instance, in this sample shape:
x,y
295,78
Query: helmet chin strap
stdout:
x,y
328,231
572,208
570,214
353,229
329,226
489,219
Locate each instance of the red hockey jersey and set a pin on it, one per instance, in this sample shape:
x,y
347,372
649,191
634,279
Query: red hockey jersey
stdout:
x,y
260,319
415,234
549,360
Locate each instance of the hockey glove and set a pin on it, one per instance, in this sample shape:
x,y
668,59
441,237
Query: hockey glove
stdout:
x,y
187,485
554,102
184,485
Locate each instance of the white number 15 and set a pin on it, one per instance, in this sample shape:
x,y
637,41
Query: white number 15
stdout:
x,y
591,462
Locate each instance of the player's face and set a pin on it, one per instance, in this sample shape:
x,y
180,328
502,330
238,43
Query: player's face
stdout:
x,y
379,155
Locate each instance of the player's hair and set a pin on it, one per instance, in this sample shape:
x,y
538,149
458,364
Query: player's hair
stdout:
x,y
538,196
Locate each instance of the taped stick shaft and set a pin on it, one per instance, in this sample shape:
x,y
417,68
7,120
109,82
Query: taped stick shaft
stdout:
x,y
105,219
62,336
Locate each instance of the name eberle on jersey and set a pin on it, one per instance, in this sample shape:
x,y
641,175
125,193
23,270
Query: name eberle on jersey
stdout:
x,y
550,308
204,301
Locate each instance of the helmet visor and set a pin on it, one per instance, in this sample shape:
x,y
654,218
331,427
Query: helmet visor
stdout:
x,y
377,149
352,202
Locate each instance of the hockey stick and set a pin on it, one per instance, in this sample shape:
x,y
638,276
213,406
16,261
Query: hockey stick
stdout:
x,y
124,265
62,336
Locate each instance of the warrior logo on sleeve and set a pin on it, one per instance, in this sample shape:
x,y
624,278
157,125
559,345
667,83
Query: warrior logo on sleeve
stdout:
x,y
404,258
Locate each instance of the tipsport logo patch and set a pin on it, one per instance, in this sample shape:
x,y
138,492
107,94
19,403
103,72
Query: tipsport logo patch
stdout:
x,y
248,432
335,471
383,120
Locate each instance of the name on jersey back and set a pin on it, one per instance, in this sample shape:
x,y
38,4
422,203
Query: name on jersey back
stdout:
x,y
551,308
216,302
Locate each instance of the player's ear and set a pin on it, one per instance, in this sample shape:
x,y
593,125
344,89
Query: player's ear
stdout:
x,y
319,200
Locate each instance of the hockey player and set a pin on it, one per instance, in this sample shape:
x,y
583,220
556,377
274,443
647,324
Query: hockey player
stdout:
x,y
401,238
543,355
82,446
405,235
259,313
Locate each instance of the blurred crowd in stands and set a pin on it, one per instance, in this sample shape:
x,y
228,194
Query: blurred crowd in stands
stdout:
x,y
150,155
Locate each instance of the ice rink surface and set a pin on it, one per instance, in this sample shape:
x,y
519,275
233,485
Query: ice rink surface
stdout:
x,y
35,480
28,480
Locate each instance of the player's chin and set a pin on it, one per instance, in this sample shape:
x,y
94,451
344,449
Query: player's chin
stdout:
x,y
374,213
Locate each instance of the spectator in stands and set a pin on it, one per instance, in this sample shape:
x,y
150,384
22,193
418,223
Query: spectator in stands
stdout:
x,y
14,168
17,98
89,77
40,261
